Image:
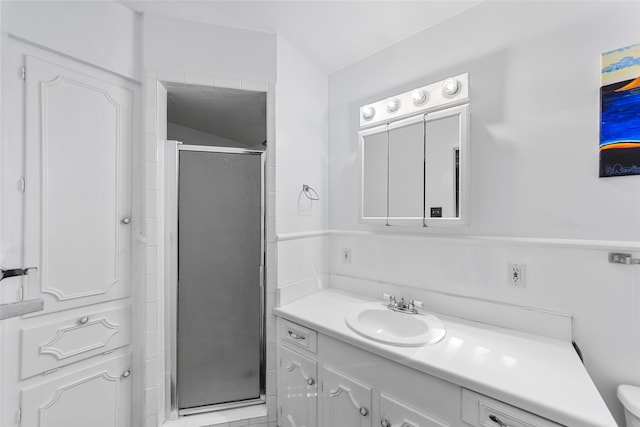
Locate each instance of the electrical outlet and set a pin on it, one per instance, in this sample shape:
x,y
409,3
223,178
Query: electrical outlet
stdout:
x,y
517,275
346,255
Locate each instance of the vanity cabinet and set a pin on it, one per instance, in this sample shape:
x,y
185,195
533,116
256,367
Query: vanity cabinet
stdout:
x,y
325,382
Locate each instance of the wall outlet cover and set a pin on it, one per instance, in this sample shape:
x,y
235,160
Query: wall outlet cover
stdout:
x,y
346,255
517,275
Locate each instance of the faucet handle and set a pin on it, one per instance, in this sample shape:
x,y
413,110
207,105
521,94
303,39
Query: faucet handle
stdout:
x,y
388,297
415,304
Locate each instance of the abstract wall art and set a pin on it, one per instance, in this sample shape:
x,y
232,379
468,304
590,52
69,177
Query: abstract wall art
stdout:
x,y
620,112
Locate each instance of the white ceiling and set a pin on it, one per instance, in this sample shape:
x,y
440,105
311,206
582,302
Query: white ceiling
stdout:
x,y
334,34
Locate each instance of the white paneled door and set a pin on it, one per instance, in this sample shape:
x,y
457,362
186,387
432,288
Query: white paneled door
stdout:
x,y
78,171
74,357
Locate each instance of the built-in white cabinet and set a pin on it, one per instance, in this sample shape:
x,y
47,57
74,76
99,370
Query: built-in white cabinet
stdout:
x,y
72,359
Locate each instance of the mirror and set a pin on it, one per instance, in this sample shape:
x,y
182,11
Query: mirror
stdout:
x,y
414,171
374,151
406,172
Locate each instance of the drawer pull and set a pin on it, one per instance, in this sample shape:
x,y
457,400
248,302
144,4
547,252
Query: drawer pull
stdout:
x,y
295,336
126,220
364,411
385,423
497,421
84,320
126,373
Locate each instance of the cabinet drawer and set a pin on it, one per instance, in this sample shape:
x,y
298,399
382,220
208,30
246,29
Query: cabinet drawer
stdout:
x,y
482,411
298,335
53,345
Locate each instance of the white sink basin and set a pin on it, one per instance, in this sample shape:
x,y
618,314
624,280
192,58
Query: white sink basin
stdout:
x,y
376,322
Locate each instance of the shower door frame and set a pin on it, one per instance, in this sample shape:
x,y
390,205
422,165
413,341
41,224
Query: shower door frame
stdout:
x,y
172,185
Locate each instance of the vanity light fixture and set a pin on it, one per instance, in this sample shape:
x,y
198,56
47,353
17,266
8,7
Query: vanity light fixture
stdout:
x,y
368,112
419,97
429,98
393,105
450,87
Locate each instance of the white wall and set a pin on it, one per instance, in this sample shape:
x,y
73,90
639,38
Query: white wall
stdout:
x,y
301,158
534,76
103,34
301,129
177,45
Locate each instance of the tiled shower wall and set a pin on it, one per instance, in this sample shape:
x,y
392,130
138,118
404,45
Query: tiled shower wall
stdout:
x,y
156,365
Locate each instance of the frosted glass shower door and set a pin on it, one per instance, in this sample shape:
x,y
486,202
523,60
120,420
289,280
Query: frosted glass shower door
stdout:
x,y
220,253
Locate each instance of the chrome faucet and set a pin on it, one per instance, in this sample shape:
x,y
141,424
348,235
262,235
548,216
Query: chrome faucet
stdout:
x,y
402,306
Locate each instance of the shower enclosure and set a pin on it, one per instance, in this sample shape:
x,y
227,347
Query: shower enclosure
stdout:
x,y
216,287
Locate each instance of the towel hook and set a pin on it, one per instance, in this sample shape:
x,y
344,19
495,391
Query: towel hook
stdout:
x,y
310,192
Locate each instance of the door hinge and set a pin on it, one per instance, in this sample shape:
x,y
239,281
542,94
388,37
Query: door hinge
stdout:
x,y
22,185
23,73
19,415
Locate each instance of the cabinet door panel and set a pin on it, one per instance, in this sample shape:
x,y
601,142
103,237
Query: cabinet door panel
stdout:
x,y
374,158
299,388
399,414
78,151
406,172
97,396
345,402
446,166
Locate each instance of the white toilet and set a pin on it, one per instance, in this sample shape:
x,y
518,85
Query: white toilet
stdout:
x,y
630,398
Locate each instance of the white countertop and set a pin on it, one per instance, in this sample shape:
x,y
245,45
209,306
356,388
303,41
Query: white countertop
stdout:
x,y
538,374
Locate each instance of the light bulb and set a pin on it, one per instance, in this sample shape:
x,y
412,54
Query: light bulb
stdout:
x,y
450,87
368,112
393,105
419,97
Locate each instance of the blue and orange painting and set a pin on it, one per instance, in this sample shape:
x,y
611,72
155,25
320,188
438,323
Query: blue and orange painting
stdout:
x,y
620,112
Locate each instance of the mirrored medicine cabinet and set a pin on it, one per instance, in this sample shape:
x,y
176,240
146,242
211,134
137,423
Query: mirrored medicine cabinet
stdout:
x,y
414,164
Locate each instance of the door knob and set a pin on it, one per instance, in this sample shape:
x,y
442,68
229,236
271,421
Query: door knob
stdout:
x,y
84,320
311,381
385,423
126,220
364,411
126,373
